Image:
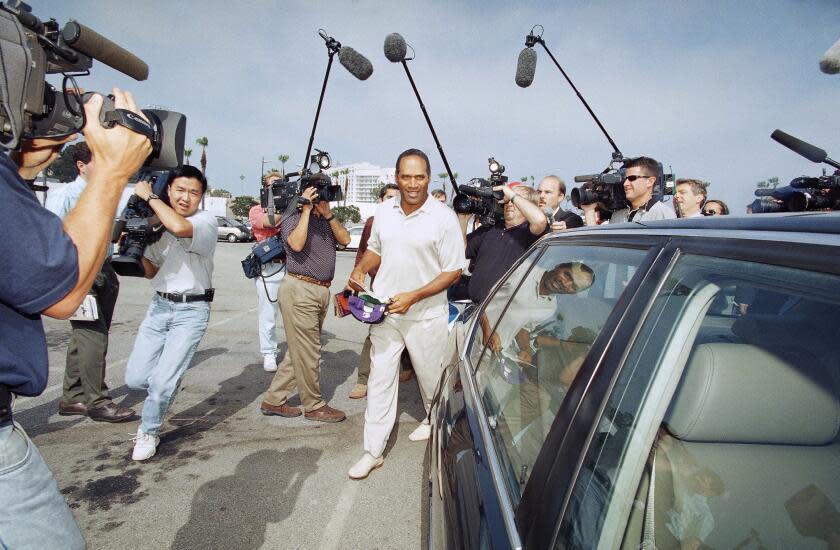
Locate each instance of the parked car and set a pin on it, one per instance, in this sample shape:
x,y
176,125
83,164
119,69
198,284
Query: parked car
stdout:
x,y
670,384
232,231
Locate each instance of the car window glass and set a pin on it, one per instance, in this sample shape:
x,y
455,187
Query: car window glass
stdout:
x,y
722,429
540,342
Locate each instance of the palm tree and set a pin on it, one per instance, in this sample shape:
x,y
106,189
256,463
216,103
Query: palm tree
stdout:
x,y
442,177
203,142
242,184
187,153
346,173
283,159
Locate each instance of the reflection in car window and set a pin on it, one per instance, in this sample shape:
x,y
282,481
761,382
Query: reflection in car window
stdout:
x,y
539,342
722,429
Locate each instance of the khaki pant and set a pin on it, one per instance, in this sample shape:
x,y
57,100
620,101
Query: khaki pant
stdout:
x,y
303,307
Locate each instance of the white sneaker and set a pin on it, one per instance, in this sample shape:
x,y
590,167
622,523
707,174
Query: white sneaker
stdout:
x,y
269,363
145,445
421,433
365,466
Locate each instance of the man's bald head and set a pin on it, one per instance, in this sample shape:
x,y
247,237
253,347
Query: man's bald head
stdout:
x,y
552,190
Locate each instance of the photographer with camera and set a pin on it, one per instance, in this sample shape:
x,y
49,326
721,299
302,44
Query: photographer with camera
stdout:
x,y
180,266
268,282
640,177
552,192
492,249
54,267
310,236
85,392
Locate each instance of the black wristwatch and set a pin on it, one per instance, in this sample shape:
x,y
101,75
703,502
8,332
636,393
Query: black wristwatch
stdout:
x,y
331,218
153,196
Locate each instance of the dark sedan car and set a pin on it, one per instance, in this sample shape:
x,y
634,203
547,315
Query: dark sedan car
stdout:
x,y
666,385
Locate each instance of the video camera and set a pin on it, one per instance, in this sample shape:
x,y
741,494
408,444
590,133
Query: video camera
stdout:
x,y
607,188
286,191
477,197
30,107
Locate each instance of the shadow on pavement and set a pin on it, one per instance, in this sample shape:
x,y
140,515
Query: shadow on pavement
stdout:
x,y
233,511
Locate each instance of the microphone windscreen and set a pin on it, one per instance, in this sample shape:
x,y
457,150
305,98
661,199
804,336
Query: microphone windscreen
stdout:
x,y
395,47
96,46
356,63
525,67
830,62
810,152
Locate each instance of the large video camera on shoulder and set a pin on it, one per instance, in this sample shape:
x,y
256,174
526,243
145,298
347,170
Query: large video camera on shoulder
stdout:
x,y
287,191
477,197
803,193
33,108
607,188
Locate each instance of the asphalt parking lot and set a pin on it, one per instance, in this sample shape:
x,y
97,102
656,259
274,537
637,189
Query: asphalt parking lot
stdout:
x,y
225,476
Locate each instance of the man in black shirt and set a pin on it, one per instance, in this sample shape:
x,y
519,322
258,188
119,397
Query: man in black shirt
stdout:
x,y
493,249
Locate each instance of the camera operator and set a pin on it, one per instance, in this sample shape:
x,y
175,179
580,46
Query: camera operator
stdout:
x,y
269,283
48,269
85,391
493,249
641,174
689,197
552,192
310,236
180,266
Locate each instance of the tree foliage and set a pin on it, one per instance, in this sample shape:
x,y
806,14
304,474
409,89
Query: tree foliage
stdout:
x,y
241,205
347,213
219,193
63,168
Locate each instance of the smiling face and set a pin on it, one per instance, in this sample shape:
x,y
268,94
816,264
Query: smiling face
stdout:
x,y
413,181
568,278
185,196
638,186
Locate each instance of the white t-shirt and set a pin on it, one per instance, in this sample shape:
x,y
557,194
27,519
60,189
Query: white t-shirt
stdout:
x,y
185,264
414,250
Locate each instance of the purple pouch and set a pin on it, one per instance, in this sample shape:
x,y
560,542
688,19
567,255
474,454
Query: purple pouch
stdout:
x,y
365,311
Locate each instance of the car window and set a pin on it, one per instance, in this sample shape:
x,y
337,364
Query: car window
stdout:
x,y
540,340
722,429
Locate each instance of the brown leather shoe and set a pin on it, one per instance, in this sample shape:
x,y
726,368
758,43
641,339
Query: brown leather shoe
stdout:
x,y
111,412
406,375
279,410
71,409
326,414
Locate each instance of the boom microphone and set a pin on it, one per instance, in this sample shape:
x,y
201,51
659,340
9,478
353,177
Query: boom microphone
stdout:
x,y
525,67
395,47
830,62
356,63
810,152
98,47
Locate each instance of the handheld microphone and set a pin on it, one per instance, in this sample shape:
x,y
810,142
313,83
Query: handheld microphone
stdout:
x,y
358,65
395,47
96,46
830,62
525,67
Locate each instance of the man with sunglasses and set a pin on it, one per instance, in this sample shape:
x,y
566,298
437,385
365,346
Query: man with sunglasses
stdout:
x,y
641,174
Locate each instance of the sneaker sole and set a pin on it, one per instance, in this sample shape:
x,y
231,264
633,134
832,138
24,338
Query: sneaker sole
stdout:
x,y
375,467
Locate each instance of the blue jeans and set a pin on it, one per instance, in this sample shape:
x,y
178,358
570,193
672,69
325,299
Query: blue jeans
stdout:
x,y
33,513
165,344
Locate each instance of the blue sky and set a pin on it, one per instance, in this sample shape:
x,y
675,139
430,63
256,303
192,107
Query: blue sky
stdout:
x,y
698,85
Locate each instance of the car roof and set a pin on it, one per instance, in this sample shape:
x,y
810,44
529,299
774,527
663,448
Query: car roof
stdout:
x,y
817,227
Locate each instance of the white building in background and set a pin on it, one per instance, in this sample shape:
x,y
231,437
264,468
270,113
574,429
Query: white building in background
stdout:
x,y
361,183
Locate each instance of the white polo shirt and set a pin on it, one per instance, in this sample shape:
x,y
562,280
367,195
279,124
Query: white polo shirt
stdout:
x,y
185,264
414,250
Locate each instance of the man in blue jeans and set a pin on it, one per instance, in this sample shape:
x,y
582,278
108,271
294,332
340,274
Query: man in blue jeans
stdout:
x,y
180,266
48,268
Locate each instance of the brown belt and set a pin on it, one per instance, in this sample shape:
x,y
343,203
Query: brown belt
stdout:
x,y
312,280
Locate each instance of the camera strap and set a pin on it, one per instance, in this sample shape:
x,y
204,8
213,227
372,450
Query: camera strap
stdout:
x,y
130,120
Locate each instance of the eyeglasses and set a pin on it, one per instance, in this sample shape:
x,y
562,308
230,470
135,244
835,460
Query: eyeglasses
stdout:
x,y
710,213
631,179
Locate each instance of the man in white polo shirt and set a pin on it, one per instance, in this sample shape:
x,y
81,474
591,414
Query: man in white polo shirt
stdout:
x,y
417,246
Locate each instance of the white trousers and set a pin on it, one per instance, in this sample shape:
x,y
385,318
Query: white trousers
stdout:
x,y
425,341
268,310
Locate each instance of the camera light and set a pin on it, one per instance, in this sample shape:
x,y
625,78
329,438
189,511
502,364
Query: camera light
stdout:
x,y
320,160
495,166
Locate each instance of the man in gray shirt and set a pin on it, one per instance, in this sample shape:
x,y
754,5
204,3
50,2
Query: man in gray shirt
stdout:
x,y
641,174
